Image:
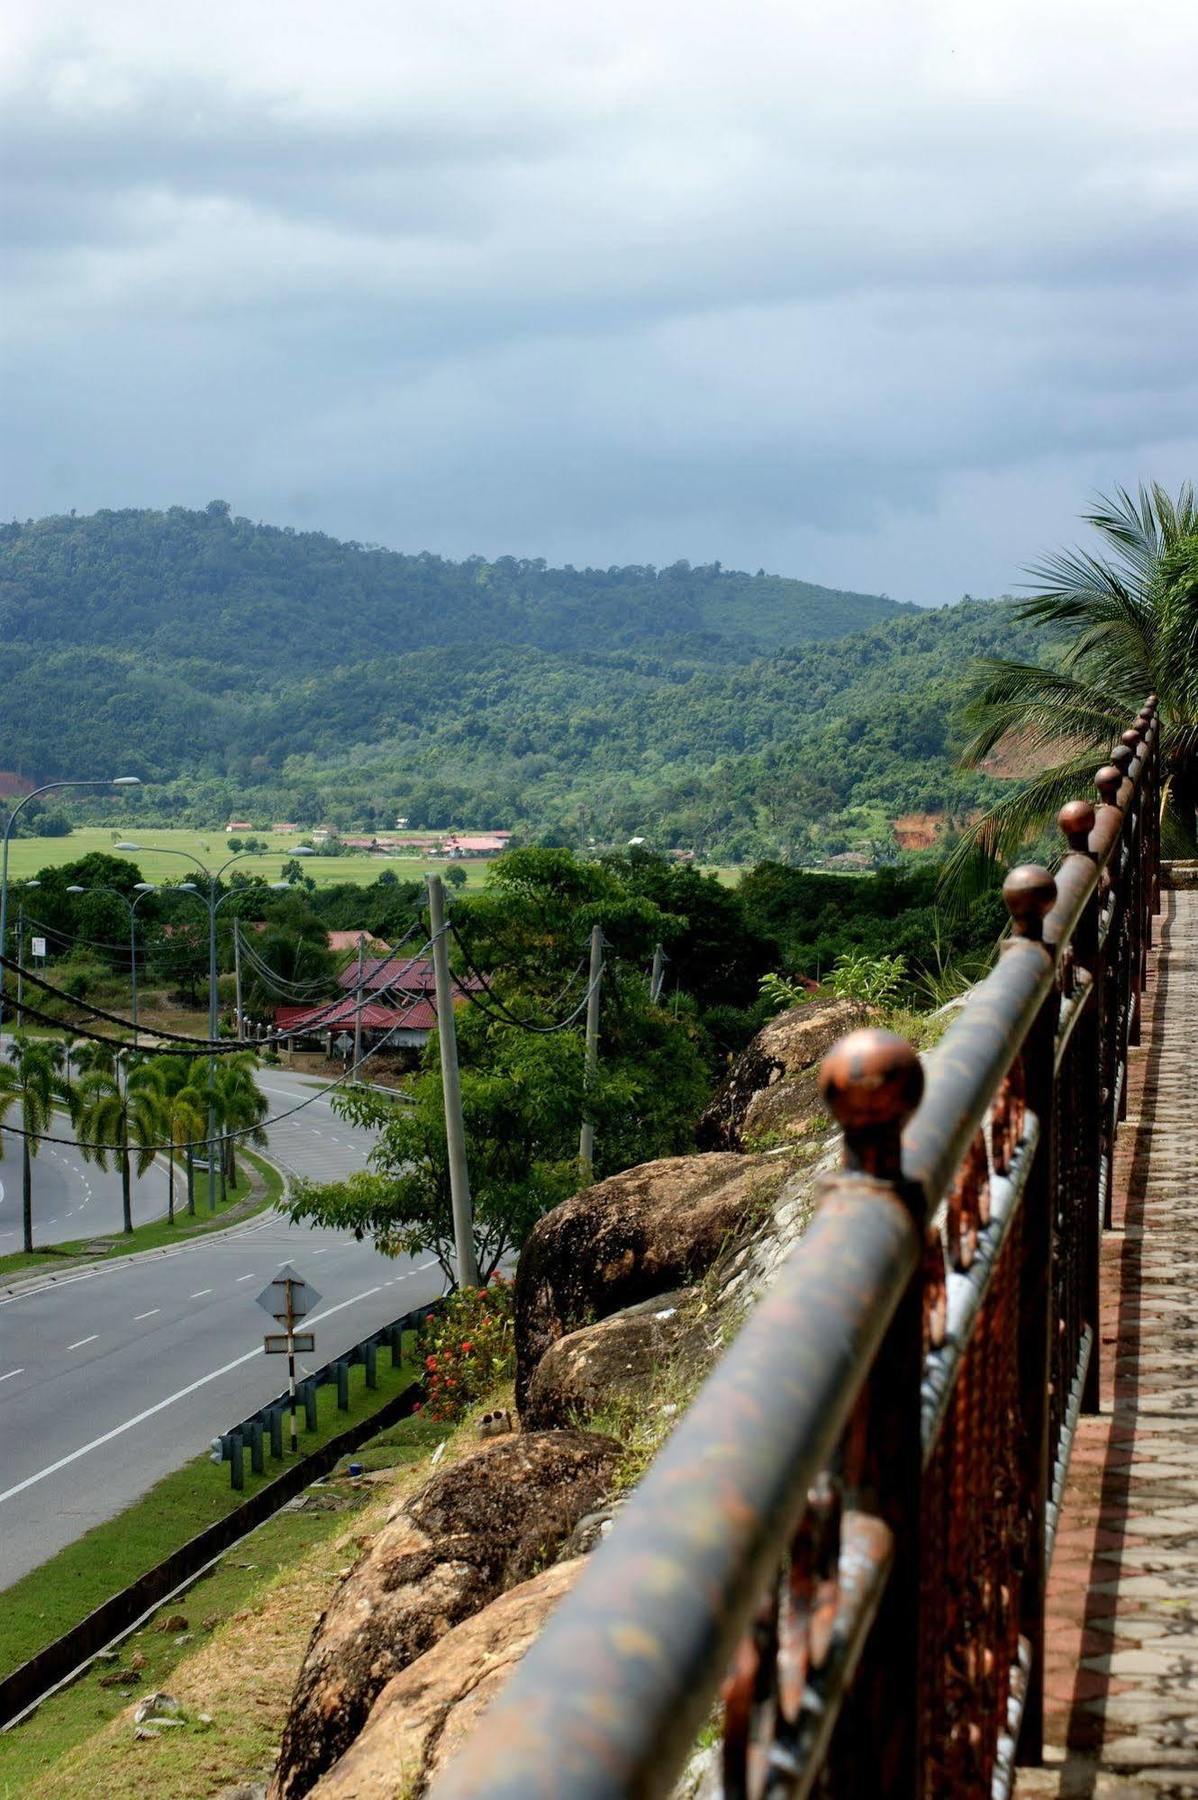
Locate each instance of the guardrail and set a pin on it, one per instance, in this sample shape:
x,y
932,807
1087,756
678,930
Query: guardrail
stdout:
x,y
67,1656
262,1432
848,1535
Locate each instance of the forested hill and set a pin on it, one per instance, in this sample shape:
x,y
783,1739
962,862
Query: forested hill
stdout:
x,y
255,673
259,600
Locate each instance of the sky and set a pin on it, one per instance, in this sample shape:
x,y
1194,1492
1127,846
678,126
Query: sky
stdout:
x,y
878,296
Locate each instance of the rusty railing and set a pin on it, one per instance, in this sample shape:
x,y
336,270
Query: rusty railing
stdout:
x,y
848,1535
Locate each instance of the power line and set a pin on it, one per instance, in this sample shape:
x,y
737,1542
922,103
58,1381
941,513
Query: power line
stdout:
x,y
504,1016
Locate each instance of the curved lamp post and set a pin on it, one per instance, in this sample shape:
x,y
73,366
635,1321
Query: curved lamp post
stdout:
x,y
141,889
119,781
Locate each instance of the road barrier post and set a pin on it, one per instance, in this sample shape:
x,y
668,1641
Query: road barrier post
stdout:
x,y
257,1460
370,1358
342,1368
236,1460
310,1406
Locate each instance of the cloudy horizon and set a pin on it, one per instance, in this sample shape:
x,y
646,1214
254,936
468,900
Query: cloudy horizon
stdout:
x,y
881,307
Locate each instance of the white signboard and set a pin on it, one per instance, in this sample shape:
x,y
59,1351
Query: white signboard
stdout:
x,y
38,946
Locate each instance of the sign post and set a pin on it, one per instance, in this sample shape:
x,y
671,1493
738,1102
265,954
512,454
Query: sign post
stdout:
x,y
289,1298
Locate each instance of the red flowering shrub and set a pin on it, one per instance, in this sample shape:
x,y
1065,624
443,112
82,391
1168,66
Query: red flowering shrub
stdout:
x,y
467,1348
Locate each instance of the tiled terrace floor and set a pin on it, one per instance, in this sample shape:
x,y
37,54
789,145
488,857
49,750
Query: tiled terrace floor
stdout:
x,y
1122,1650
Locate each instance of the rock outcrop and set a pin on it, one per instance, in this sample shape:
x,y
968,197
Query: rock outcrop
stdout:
x,y
421,1717
631,1238
772,1090
608,1361
475,1529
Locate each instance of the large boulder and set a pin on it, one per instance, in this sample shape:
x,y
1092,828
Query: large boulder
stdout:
x,y
633,1237
610,1360
772,1093
475,1529
422,1716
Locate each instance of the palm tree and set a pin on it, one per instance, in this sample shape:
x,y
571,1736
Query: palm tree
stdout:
x,y
240,1106
121,1111
185,1122
1132,618
32,1083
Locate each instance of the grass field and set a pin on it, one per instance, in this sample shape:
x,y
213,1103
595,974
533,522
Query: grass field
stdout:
x,y
157,862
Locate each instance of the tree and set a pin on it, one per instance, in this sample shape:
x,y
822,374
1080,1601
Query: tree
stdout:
x,y
121,1111
32,1084
1131,619
239,1105
455,875
186,1125
521,1120
179,955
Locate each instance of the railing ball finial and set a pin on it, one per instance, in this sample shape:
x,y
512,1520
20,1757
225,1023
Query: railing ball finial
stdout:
x,y
1108,781
872,1082
1121,758
1076,820
1029,892
1131,739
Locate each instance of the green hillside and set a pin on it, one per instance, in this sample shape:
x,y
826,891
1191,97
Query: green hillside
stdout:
x,y
239,668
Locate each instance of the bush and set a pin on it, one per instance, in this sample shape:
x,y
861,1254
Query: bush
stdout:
x,y
467,1348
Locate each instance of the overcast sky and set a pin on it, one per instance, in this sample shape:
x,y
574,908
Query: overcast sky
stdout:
x,y
875,295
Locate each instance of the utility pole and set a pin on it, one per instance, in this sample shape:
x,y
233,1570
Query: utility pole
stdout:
x,y
358,1002
658,975
451,1088
20,965
237,977
586,1137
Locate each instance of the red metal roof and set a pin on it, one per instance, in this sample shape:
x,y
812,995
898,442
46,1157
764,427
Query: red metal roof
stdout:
x,y
415,973
421,1015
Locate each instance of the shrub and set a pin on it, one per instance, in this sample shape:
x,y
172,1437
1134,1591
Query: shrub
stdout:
x,y
467,1348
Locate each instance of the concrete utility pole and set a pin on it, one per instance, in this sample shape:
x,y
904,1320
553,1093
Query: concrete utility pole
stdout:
x,y
237,978
358,1002
586,1137
658,975
451,1088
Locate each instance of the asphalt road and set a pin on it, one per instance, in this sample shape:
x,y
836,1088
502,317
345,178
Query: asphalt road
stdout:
x,y
111,1378
71,1198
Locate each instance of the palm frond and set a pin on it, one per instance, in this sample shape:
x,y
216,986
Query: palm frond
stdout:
x,y
1046,707
1001,831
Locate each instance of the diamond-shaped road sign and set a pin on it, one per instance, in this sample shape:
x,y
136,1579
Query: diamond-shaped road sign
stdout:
x,y
288,1284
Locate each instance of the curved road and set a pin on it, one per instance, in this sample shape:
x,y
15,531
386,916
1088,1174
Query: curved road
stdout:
x,y
109,1378
71,1198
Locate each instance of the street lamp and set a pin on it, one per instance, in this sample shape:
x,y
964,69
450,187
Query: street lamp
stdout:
x,y
119,781
213,904
141,889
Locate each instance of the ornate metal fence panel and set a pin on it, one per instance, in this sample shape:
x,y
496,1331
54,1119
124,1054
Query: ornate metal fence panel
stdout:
x,y
842,1551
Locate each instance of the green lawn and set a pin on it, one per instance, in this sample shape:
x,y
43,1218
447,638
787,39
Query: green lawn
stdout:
x,y
157,1234
237,1583
27,855
49,1600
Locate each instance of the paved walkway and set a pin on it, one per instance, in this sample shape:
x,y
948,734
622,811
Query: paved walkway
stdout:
x,y
1122,1650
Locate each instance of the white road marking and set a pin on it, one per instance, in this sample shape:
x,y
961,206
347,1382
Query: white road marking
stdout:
x,y
250,1276
200,1292
82,1341
138,1317
161,1406
11,1373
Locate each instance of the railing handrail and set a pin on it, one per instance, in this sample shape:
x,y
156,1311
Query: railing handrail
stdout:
x,y
611,1697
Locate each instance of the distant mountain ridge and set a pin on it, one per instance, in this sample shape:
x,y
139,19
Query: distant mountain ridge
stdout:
x,y
245,670
269,600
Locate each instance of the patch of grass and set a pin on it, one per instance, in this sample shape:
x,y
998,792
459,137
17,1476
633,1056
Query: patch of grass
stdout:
x,y
49,1600
28,855
248,1622
253,1193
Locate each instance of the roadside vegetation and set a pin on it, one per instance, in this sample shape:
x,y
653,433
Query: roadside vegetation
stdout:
x,y
51,1599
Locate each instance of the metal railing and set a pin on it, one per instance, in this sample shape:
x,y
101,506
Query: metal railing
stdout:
x,y
847,1538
